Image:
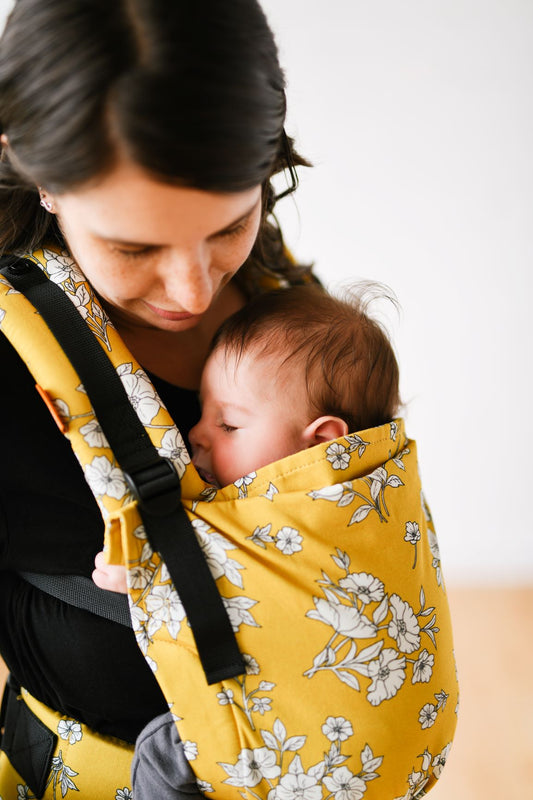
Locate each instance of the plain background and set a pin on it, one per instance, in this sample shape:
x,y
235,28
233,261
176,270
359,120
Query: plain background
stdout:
x,y
418,117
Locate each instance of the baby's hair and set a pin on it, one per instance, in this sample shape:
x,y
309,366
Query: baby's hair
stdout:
x,y
349,364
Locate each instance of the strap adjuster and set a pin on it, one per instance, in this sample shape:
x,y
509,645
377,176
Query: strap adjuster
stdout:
x,y
156,488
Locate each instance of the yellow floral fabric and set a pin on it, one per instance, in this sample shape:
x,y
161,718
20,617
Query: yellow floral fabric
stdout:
x,y
93,766
329,568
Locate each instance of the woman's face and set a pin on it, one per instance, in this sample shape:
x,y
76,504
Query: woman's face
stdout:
x,y
157,254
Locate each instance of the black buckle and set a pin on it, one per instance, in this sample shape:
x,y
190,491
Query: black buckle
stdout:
x,y
156,488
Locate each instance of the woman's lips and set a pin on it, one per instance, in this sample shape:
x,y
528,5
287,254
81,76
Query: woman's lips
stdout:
x,y
173,316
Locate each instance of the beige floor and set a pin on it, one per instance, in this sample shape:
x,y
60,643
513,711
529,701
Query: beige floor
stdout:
x,y
492,757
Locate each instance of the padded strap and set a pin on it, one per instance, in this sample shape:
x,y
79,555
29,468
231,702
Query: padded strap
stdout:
x,y
79,591
151,478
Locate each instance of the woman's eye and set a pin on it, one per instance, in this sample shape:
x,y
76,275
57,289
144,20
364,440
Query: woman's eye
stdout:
x,y
231,232
140,252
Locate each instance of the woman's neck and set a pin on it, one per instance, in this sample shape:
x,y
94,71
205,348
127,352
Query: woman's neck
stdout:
x,y
179,357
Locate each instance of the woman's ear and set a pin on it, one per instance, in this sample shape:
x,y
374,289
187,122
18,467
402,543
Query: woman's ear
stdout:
x,y
324,429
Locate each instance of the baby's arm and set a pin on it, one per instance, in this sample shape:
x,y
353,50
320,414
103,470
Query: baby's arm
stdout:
x,y
109,576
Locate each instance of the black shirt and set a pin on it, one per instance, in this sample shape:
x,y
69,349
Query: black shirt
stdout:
x,y
73,661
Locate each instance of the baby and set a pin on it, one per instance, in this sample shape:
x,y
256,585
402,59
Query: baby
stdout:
x,y
294,368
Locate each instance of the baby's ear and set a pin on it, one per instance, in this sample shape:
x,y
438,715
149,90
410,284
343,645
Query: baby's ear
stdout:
x,y
324,429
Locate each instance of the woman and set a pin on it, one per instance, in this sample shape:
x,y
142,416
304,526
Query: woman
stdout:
x,y
140,136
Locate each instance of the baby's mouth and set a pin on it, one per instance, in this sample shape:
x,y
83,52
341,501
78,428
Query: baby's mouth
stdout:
x,y
206,476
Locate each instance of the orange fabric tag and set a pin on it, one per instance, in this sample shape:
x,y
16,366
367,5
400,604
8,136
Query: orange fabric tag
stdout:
x,y
58,419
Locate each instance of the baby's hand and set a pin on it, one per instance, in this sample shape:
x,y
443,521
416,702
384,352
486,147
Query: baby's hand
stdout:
x,y
109,576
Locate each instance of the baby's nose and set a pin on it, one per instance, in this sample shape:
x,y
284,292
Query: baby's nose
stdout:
x,y
195,437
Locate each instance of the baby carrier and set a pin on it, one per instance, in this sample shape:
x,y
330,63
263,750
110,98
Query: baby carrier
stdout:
x,y
297,620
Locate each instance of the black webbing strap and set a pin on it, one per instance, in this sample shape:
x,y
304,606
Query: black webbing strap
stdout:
x,y
79,591
151,478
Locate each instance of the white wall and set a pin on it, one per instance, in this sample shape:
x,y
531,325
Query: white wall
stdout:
x,y
418,116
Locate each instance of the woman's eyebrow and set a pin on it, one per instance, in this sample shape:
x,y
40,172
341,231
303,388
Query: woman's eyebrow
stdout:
x,y
228,227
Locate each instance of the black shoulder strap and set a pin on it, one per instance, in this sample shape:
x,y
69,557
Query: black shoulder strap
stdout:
x,y
151,478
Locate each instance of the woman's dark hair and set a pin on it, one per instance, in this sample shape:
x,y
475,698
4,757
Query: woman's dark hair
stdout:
x,y
190,91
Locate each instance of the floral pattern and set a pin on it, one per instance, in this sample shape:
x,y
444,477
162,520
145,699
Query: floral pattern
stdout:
x,y
271,769
357,607
331,652
418,780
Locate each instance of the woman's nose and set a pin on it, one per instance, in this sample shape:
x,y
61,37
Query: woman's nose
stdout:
x,y
188,282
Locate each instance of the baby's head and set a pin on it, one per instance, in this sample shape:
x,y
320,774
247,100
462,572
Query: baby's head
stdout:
x,y
294,368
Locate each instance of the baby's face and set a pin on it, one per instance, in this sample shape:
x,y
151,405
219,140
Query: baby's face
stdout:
x,y
249,417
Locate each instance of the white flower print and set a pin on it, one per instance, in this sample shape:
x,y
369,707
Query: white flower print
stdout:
x,y
165,607
271,492
288,540
345,785
151,663
440,760
104,478
388,674
143,640
412,532
417,780
261,704
214,547
93,434
142,395
243,483
333,493
338,456
337,729
204,786
435,552
367,588
345,620
70,730
428,715
423,667
23,792
139,577
404,626
138,617
298,786
238,611
124,794
225,697
190,750
61,268
173,448
251,665
63,774
80,300
426,759
251,767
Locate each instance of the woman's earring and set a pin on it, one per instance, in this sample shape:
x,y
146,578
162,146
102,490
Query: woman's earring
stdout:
x,y
46,204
